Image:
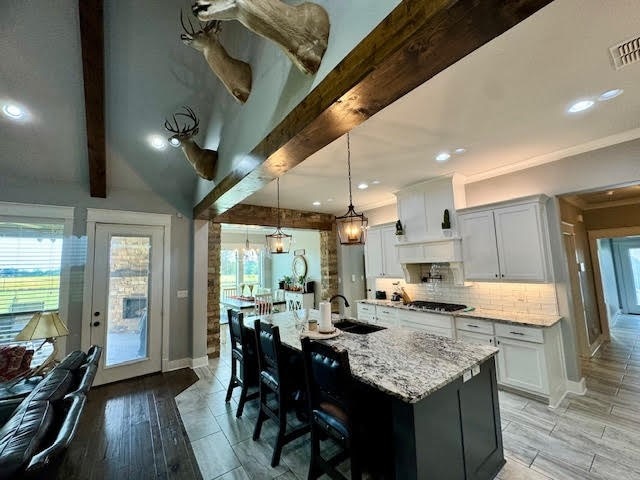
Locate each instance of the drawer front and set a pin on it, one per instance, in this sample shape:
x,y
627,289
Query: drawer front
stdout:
x,y
387,316
420,327
425,318
366,312
520,332
475,338
474,325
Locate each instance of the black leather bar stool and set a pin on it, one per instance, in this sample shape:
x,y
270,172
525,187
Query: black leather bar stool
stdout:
x,y
244,361
281,377
330,392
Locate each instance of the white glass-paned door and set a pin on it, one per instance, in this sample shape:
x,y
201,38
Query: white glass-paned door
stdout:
x,y
628,250
127,300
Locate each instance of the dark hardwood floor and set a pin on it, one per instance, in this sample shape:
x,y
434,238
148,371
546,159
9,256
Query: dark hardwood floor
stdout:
x,y
132,430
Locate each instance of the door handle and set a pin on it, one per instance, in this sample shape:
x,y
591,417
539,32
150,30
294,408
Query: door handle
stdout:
x,y
96,324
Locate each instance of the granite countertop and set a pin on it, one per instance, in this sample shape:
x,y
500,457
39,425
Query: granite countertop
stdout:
x,y
406,364
530,319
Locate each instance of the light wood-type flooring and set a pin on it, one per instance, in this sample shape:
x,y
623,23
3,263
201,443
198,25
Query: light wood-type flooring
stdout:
x,y
596,436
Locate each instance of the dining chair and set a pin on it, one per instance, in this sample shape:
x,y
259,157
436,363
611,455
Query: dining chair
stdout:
x,y
244,361
229,292
294,304
281,375
330,393
264,304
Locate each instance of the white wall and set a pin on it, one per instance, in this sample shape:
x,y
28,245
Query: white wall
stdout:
x,y
278,86
380,215
281,264
609,278
351,276
598,169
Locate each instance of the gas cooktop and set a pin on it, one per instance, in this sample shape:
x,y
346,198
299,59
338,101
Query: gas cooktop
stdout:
x,y
436,306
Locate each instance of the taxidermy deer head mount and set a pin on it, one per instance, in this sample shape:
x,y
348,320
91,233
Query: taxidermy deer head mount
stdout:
x,y
301,30
202,160
234,74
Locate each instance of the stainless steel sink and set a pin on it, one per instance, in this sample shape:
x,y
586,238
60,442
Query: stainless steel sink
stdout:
x,y
359,328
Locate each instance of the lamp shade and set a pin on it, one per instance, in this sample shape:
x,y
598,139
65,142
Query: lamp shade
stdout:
x,y
43,325
352,228
279,242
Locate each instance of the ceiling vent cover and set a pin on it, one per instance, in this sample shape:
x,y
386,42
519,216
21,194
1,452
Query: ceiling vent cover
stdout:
x,y
626,53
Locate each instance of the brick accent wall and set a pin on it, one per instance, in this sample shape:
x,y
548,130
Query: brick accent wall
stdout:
x,y
213,291
328,263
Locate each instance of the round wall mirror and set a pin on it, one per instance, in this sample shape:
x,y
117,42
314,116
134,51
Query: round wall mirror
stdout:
x,y
299,267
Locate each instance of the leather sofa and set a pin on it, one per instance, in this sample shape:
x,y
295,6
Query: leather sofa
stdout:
x,y
36,430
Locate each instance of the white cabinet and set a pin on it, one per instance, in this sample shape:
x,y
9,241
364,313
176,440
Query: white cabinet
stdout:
x,y
297,300
522,365
476,338
366,312
433,323
380,252
507,242
386,316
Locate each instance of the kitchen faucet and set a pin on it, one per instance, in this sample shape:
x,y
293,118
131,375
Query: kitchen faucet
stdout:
x,y
346,302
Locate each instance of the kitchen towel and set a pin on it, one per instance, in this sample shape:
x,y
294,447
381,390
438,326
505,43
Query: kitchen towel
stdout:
x,y
324,325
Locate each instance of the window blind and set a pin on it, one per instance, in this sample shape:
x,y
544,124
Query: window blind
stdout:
x,y
30,264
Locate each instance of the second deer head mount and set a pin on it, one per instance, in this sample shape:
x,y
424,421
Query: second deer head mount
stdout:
x,y
302,31
202,160
234,74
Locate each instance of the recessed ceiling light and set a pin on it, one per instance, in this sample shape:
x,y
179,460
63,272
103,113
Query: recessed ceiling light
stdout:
x,y
363,186
12,110
174,142
609,94
316,203
610,192
460,150
443,156
375,182
581,106
157,142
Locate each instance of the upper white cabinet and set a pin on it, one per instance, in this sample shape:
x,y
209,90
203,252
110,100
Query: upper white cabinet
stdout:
x,y
421,207
381,258
506,242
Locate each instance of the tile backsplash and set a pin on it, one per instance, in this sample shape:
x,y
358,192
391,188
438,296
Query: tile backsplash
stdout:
x,y
535,298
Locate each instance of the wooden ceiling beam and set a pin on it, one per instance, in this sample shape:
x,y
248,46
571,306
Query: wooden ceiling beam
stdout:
x,y
243,214
415,42
92,41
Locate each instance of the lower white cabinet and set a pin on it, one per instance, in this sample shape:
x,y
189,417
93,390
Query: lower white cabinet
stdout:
x,y
433,323
522,365
386,316
366,312
477,338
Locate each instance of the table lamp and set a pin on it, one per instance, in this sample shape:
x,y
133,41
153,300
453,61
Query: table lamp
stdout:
x,y
47,326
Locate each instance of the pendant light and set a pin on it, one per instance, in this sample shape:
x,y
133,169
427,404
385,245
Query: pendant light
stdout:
x,y
247,245
278,242
352,226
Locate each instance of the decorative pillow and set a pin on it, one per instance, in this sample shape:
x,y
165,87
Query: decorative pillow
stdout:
x,y
26,360
10,361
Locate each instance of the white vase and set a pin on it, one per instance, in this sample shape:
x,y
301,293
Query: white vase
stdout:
x,y
447,232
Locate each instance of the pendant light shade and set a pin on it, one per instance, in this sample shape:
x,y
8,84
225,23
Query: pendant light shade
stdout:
x,y
352,226
278,242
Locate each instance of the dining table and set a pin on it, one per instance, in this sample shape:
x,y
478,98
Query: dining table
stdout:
x,y
244,304
434,399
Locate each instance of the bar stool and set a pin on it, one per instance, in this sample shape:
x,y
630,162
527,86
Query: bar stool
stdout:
x,y
243,358
330,391
282,376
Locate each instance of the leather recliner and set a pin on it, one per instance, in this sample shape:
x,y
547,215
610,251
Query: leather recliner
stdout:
x,y
39,428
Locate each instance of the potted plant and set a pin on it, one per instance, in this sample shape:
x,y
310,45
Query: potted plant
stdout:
x,y
400,231
301,280
287,282
281,283
446,224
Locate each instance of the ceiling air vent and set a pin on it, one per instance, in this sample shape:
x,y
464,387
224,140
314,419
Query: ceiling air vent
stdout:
x,y
626,53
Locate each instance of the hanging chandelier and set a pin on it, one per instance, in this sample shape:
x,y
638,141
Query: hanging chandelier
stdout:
x,y
352,226
278,241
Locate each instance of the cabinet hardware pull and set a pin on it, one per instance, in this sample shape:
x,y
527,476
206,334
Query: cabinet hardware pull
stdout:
x,y
517,333
503,275
471,325
496,275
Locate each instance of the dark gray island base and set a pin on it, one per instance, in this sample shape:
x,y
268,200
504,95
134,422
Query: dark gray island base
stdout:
x,y
424,421
454,433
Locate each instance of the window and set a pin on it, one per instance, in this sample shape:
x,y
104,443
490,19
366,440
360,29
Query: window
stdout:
x,y
30,271
228,268
240,268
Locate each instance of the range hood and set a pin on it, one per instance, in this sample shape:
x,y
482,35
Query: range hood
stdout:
x,y
413,255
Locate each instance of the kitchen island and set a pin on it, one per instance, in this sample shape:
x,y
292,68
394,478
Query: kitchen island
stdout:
x,y
439,399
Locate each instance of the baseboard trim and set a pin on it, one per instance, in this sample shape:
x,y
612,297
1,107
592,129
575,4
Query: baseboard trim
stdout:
x,y
177,364
579,388
200,362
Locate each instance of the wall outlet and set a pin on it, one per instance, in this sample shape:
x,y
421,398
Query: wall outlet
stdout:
x,y
475,370
466,376
183,293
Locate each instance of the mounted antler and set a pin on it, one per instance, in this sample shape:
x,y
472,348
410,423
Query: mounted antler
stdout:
x,y
301,30
234,74
201,159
